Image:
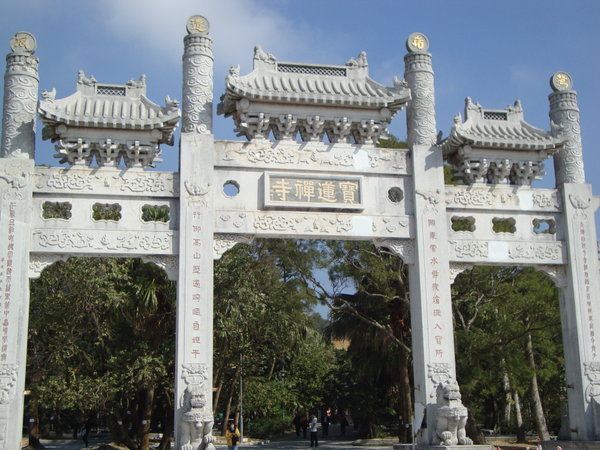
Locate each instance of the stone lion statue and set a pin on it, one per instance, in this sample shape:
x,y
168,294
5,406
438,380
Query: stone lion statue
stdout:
x,y
451,416
197,423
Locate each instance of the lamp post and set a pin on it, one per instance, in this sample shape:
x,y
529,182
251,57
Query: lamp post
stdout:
x,y
241,398
282,373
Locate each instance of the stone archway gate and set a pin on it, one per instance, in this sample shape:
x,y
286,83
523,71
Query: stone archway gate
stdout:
x,y
296,186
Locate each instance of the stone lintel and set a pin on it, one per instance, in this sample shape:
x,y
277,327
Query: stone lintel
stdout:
x,y
318,156
505,198
303,224
90,242
104,182
504,252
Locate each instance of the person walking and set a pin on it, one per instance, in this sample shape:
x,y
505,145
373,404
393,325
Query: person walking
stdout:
x,y
297,424
343,422
314,442
325,421
232,434
304,425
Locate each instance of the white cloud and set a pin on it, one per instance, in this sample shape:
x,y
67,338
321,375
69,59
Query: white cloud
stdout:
x,y
236,26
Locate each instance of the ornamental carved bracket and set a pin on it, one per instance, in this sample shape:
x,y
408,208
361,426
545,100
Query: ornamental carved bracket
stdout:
x,y
592,372
438,373
558,274
8,382
457,268
39,261
224,242
580,202
403,248
170,264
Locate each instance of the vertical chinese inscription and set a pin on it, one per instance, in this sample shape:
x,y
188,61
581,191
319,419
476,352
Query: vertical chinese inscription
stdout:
x,y
194,309
434,278
585,252
6,272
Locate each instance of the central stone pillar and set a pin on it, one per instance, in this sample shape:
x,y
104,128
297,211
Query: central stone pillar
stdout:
x,y
429,276
16,196
194,366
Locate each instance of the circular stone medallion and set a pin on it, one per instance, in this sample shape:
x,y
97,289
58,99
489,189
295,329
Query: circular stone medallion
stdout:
x,y
197,24
561,81
23,42
417,42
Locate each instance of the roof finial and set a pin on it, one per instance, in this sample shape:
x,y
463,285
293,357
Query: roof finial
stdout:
x,y
197,25
417,42
23,43
561,81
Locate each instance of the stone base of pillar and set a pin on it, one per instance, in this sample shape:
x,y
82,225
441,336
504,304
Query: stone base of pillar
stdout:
x,y
441,447
565,445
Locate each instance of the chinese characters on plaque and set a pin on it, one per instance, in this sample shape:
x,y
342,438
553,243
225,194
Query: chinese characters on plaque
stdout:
x,y
282,190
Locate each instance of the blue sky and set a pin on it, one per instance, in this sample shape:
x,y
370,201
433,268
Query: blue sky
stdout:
x,y
494,51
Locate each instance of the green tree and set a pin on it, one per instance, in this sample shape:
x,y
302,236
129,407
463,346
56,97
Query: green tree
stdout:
x,y
509,347
264,315
101,341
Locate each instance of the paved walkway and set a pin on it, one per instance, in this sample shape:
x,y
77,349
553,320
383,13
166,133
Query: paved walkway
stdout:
x,y
290,442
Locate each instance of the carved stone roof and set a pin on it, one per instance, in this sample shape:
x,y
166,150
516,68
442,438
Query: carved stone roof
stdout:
x,y
313,84
311,100
108,124
497,129
97,105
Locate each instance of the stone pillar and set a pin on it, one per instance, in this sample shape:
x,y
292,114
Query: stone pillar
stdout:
x,y
197,78
429,277
20,98
193,365
580,312
564,112
16,173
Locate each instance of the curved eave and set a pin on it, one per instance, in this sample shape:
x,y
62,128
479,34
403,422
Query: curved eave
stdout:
x,y
169,121
457,140
315,91
107,112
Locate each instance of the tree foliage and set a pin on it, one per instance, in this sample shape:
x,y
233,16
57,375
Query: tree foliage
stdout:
x,y
264,332
496,312
101,340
